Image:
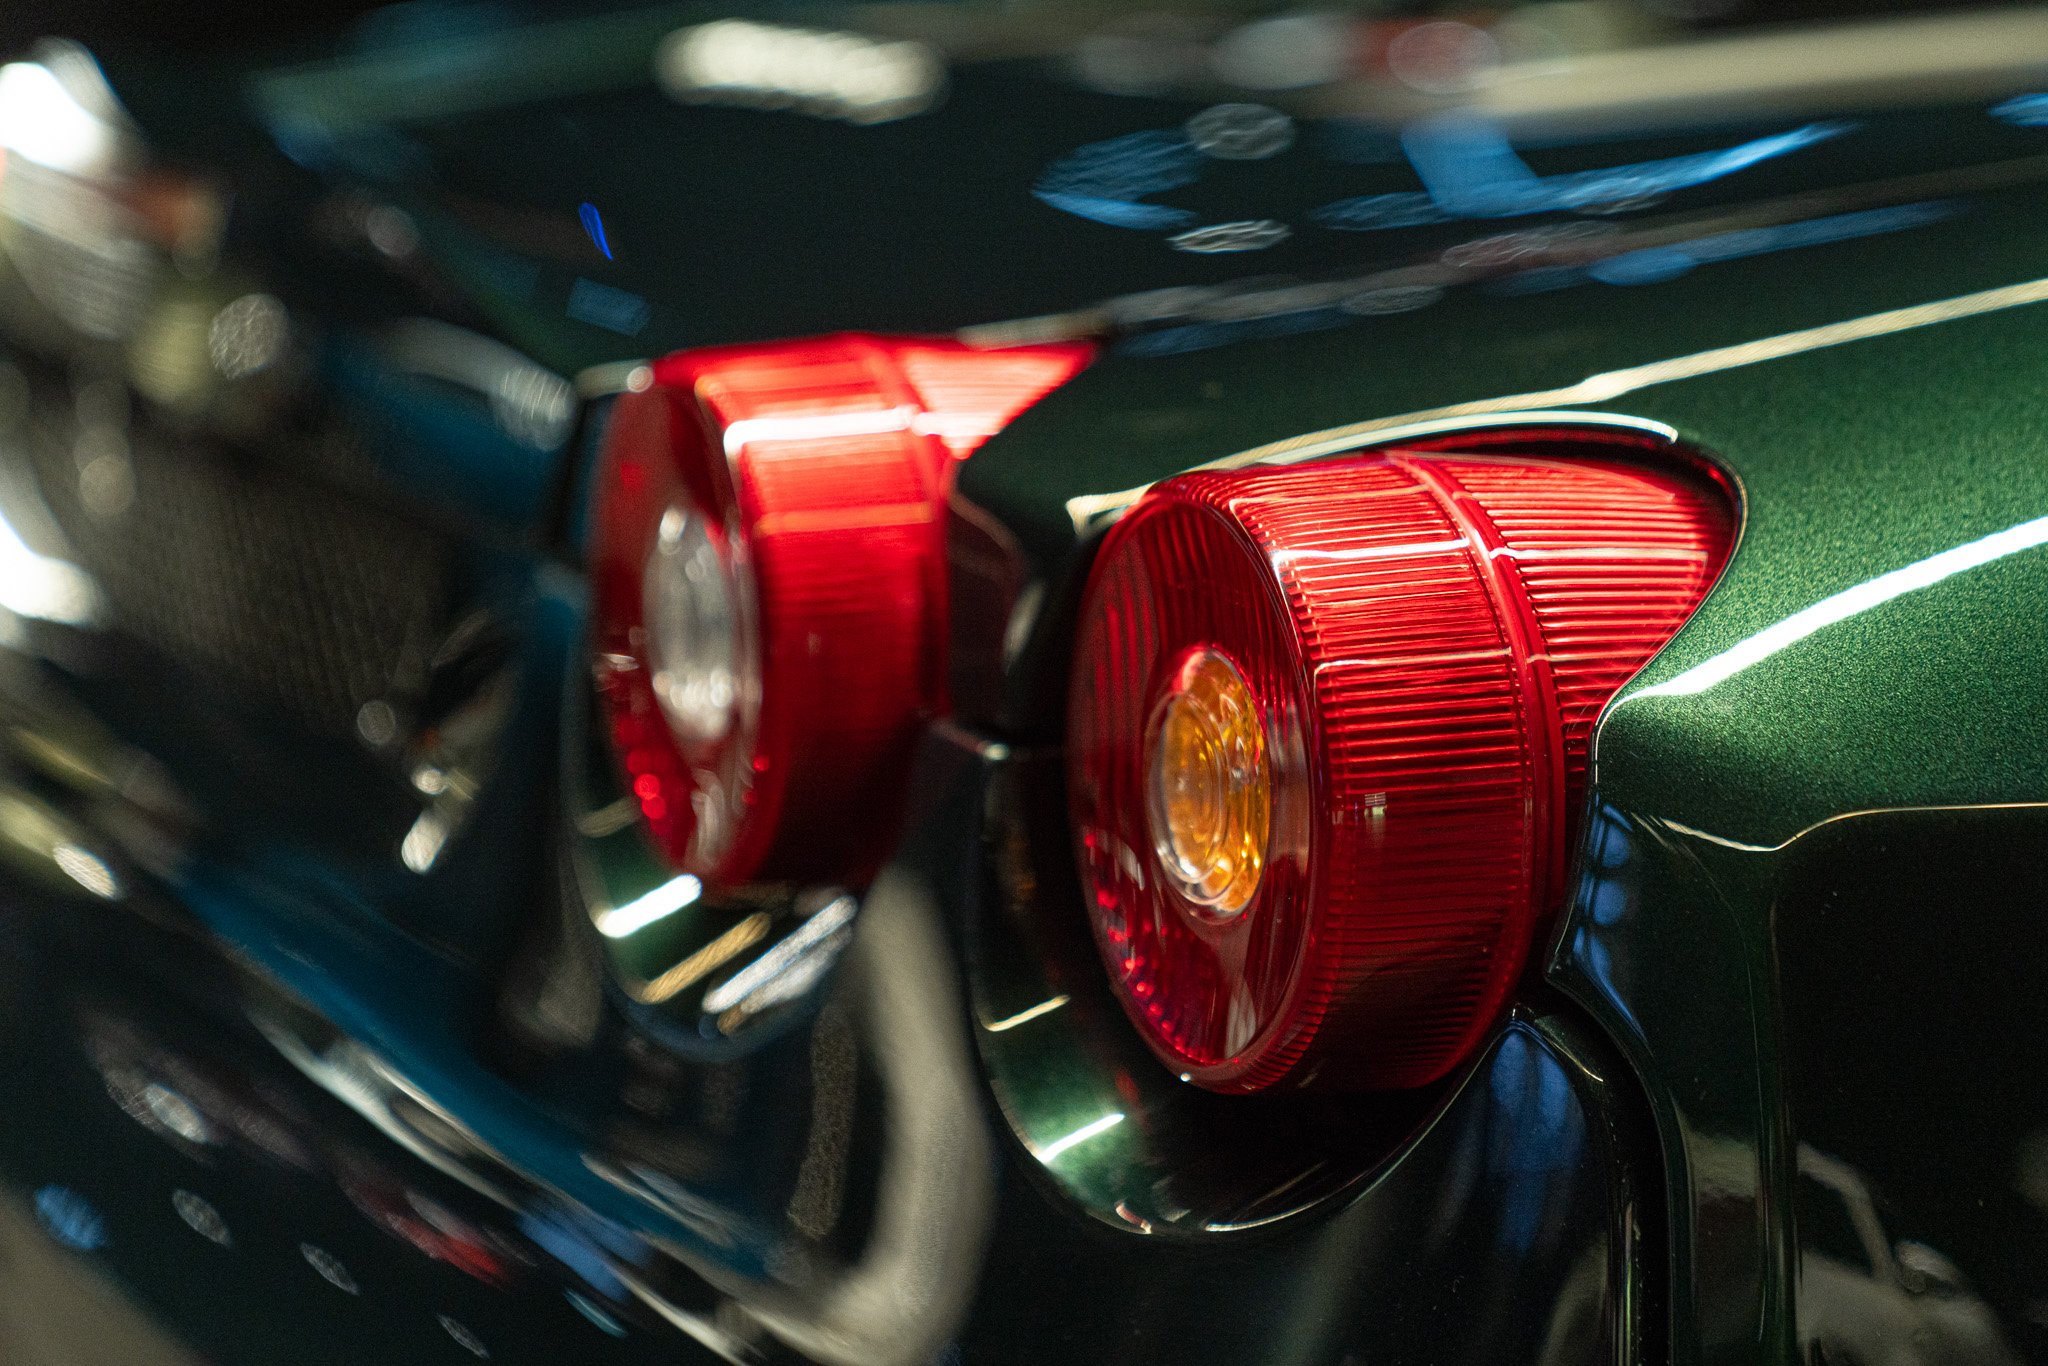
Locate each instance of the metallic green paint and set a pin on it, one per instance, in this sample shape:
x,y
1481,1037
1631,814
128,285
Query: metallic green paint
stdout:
x,y
1736,830
1876,456
1930,699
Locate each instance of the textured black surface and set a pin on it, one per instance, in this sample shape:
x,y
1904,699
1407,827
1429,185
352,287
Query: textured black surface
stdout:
x,y
285,594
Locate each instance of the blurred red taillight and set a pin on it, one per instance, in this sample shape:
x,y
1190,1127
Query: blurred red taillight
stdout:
x,y
768,576
1328,737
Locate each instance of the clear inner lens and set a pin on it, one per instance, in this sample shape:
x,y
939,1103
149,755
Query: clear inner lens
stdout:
x,y
693,631
1210,797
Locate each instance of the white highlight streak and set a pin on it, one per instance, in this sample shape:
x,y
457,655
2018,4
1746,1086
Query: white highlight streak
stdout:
x,y
872,423
1043,1008
41,588
659,904
1051,1151
1848,603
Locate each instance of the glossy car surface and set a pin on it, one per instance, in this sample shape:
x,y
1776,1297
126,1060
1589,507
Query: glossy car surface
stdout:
x,y
316,1047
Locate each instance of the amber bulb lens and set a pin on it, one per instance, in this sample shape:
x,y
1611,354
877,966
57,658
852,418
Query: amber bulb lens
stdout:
x,y
1210,794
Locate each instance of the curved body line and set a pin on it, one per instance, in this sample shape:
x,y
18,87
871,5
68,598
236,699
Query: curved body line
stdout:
x,y
1612,384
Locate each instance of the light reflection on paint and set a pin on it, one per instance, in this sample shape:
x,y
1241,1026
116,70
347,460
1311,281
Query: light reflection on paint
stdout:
x,y
1470,170
1023,1017
43,121
773,66
1250,234
88,870
1118,213
202,1218
1052,1151
791,966
659,904
1655,264
1851,602
821,426
70,1219
704,961
40,587
2028,111
1104,181
604,1321
593,225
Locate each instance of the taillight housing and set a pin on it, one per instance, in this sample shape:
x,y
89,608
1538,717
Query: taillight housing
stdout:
x,y
768,578
1328,740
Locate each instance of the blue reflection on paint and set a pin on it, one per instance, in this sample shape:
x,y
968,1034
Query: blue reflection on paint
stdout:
x,y
1174,341
1470,170
1609,902
615,310
1651,265
593,224
1614,847
1119,213
70,1218
2028,111
1668,262
574,1249
1466,163
1535,1141
1608,894
1379,212
596,1315
1104,181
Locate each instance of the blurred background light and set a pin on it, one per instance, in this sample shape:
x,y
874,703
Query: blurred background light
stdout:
x,y
41,119
832,75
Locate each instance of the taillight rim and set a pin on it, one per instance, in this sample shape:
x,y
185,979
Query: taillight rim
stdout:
x,y
715,775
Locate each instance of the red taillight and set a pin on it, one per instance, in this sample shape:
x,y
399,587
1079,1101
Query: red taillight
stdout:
x,y
769,580
1421,643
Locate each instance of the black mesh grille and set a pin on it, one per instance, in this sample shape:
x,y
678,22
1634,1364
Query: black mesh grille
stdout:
x,y
284,593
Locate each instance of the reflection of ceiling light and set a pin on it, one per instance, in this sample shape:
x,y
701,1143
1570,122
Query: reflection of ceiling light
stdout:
x,y
659,904
40,587
41,120
833,75
247,336
792,966
88,870
1252,234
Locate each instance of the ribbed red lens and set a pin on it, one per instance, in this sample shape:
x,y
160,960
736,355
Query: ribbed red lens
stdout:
x,y
1426,640
769,580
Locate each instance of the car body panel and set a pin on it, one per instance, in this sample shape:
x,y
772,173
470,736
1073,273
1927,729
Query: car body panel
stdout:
x,y
1851,347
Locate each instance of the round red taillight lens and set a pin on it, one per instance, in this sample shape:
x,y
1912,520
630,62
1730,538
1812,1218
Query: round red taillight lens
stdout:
x,y
768,574
1328,729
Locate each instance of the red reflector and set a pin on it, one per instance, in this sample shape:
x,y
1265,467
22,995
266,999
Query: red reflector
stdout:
x,y
768,570
1425,641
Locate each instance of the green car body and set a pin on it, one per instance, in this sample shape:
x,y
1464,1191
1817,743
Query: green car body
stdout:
x,y
1767,1093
